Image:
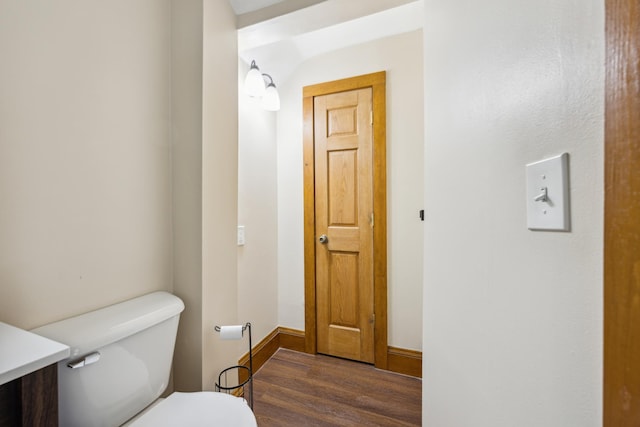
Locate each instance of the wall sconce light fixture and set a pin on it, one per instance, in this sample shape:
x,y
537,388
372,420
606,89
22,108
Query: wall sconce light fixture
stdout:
x,y
254,86
271,99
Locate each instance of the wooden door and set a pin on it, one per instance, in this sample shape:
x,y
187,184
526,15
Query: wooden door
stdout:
x,y
376,82
344,224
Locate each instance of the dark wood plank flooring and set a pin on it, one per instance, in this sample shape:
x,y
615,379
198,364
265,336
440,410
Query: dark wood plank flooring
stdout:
x,y
299,389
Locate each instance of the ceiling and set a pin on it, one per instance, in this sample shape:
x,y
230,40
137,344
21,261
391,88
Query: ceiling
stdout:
x,y
249,12
279,44
241,7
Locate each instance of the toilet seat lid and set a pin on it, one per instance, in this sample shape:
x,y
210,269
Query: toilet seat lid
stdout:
x,y
199,409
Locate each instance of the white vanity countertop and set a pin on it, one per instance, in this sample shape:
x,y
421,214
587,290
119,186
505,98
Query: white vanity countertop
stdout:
x,y
23,352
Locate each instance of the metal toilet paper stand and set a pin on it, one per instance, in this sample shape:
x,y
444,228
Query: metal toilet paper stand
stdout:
x,y
229,385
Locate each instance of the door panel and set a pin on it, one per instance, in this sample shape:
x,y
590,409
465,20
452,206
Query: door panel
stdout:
x,y
342,179
344,206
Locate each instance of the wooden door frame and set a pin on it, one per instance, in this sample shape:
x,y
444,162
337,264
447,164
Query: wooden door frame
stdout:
x,y
621,386
377,82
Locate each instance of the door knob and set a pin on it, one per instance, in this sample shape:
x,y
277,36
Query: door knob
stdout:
x,y
323,239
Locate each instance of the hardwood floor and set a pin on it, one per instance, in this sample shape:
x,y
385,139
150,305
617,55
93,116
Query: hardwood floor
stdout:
x,y
300,389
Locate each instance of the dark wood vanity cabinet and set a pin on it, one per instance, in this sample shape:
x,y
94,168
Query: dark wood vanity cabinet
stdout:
x,y
31,400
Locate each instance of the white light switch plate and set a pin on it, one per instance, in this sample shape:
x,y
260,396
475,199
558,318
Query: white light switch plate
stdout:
x,y
550,212
241,236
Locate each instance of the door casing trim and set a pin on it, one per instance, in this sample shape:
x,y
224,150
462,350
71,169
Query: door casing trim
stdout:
x,y
377,82
621,371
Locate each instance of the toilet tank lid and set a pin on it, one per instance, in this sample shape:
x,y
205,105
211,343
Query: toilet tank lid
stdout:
x,y
90,331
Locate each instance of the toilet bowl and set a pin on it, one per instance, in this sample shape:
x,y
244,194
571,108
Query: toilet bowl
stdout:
x,y
119,367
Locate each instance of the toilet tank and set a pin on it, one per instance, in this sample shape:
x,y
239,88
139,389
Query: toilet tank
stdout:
x,y
120,359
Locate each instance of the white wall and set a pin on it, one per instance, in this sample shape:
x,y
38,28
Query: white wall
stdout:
x,y
257,212
512,317
85,177
401,57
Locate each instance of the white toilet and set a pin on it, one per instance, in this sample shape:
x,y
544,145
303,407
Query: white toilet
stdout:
x,y
120,364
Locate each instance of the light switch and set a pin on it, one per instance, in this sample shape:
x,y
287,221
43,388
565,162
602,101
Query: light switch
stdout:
x,y
548,194
241,235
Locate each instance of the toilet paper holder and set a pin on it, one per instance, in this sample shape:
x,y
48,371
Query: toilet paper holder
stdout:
x,y
245,374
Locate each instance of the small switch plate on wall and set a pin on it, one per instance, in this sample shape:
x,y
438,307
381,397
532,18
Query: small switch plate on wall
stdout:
x,y
241,235
548,194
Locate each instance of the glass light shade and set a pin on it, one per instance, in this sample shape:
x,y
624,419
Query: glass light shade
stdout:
x,y
254,83
271,99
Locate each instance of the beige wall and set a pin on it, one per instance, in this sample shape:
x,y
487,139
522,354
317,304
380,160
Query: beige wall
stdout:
x,y
219,187
512,317
85,169
401,57
118,165
205,188
186,156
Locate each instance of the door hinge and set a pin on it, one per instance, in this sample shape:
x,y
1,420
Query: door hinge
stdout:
x,y
371,222
371,117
